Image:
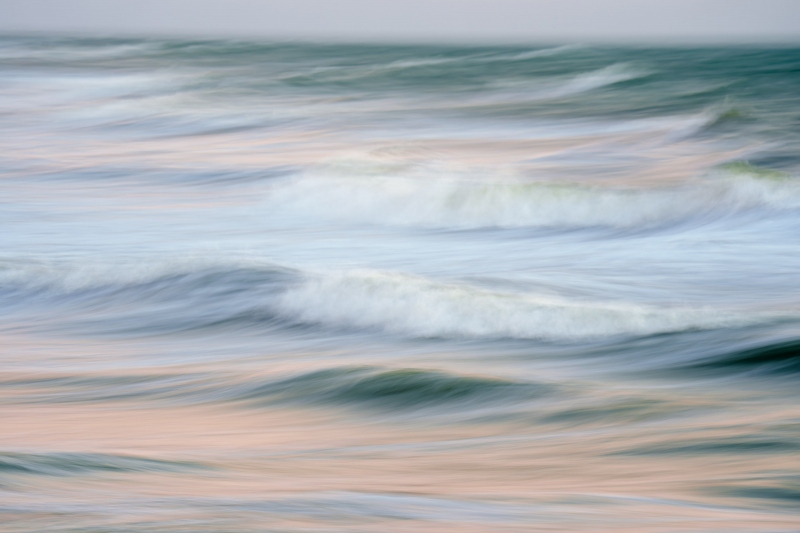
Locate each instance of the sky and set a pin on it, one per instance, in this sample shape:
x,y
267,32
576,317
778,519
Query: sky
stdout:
x,y
467,21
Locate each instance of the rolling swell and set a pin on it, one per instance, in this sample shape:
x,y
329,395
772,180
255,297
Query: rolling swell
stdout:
x,y
174,298
151,299
362,387
781,492
730,445
75,464
776,358
401,389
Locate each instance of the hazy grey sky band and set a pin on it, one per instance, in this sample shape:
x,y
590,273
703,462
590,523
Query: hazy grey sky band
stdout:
x,y
680,21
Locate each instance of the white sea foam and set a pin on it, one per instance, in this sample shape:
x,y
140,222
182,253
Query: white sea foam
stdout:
x,y
58,278
418,307
445,201
596,79
75,93
541,52
516,91
347,72
482,58
395,303
62,52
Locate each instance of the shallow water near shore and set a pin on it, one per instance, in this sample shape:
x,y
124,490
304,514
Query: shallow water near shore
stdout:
x,y
252,287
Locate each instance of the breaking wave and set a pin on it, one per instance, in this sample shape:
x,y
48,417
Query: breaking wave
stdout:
x,y
172,299
445,202
422,308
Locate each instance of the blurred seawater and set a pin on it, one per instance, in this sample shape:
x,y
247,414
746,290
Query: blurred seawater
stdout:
x,y
280,287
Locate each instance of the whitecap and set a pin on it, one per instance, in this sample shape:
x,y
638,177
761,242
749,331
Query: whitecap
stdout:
x,y
418,307
435,200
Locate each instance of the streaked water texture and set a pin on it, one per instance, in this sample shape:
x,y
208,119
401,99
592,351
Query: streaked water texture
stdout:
x,y
251,287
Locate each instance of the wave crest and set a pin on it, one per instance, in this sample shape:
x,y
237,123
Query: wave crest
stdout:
x,y
418,307
446,202
408,388
269,297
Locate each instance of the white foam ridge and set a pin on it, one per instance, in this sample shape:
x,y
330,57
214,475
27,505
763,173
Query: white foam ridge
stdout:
x,y
343,72
540,52
418,307
447,201
264,295
597,79
56,278
521,91
62,52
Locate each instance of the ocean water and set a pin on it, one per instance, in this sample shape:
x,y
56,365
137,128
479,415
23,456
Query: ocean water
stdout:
x,y
254,287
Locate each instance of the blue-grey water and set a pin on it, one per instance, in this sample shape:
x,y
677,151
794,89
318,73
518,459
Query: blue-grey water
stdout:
x,y
250,287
